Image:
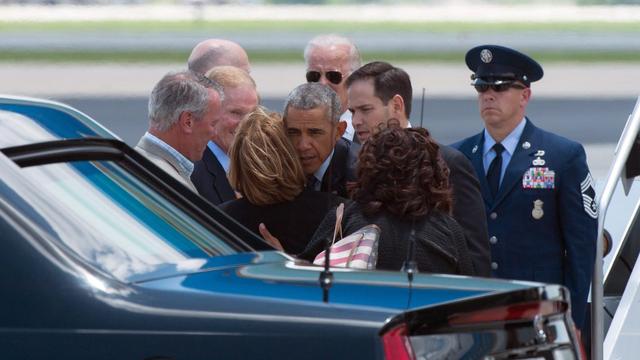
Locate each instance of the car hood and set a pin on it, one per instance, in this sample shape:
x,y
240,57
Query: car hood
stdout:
x,y
278,276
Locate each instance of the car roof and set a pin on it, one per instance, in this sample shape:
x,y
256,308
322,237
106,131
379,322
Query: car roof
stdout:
x,y
26,120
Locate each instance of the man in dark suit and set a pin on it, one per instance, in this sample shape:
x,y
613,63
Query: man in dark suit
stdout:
x,y
313,125
240,98
536,185
380,93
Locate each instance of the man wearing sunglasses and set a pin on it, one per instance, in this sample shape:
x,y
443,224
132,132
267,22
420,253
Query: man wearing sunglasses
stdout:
x,y
329,60
536,185
380,93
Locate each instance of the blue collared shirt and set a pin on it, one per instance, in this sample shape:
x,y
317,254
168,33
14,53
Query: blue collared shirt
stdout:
x,y
319,174
185,166
222,156
510,144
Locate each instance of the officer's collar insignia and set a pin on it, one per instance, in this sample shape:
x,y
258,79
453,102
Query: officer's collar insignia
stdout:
x,y
526,145
475,148
486,56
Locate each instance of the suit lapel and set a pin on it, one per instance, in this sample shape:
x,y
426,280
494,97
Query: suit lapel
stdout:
x,y
220,184
335,172
476,159
519,163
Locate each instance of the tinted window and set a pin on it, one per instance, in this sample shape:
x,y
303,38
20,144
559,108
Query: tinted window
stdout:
x,y
114,220
28,123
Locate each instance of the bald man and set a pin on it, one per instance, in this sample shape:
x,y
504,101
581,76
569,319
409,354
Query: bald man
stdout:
x,y
217,52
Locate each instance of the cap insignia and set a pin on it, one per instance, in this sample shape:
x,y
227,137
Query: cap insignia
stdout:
x,y
486,56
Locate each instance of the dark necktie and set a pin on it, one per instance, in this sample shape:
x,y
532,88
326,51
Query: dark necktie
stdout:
x,y
312,182
493,175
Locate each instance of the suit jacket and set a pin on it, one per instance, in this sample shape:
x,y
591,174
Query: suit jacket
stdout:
x,y
211,180
292,223
163,159
543,219
468,208
440,243
341,169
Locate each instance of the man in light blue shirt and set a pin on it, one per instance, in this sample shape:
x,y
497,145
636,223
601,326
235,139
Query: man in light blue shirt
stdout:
x,y
538,193
182,107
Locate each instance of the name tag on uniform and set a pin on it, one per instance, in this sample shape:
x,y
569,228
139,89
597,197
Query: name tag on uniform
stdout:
x,y
539,178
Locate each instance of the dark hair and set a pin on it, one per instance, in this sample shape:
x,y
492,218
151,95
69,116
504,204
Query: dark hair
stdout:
x,y
401,171
388,81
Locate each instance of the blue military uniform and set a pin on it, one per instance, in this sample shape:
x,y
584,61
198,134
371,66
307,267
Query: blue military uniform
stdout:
x,y
543,218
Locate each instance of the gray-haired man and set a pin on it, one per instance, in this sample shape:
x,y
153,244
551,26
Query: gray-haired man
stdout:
x,y
182,109
330,59
312,122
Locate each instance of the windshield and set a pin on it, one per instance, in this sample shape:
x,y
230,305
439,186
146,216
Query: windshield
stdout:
x,y
112,219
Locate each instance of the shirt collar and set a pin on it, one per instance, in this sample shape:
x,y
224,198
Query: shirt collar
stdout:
x,y
220,154
510,142
184,165
319,174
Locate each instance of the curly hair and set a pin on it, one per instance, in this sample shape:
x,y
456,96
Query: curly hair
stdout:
x,y
264,166
401,171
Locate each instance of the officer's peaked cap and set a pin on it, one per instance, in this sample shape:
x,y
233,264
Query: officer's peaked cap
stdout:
x,y
493,62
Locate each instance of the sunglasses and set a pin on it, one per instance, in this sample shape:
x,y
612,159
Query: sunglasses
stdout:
x,y
500,87
334,77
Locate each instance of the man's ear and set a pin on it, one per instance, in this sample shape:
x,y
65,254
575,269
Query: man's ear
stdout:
x,y
397,106
525,97
341,127
185,121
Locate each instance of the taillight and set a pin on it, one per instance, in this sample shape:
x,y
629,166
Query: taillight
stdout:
x,y
519,311
396,344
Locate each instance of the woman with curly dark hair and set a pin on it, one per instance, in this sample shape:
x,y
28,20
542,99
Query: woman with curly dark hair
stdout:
x,y
403,188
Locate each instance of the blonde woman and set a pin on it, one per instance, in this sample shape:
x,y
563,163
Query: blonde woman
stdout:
x,y
265,169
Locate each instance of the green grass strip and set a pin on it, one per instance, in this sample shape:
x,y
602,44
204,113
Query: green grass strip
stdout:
x,y
295,56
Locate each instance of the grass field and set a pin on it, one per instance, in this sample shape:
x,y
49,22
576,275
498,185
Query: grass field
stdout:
x,y
264,27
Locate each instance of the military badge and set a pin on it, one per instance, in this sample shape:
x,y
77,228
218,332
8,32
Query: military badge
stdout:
x,y
538,162
475,149
537,212
539,178
526,145
486,56
589,197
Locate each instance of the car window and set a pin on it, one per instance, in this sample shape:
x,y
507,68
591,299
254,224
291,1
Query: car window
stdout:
x,y
22,124
115,221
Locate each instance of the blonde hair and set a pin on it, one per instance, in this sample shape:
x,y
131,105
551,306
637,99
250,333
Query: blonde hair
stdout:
x,y
230,77
264,165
